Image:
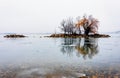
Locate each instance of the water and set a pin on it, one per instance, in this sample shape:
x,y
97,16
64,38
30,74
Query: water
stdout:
x,y
39,57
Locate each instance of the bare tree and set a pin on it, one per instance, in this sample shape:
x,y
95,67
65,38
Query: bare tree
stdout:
x,y
63,28
67,26
93,24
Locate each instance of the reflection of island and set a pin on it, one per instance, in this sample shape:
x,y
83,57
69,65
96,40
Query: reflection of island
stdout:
x,y
87,47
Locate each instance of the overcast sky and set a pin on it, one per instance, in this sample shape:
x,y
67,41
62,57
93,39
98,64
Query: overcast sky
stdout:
x,y
42,16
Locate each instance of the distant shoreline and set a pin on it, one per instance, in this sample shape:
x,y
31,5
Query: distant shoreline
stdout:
x,y
62,36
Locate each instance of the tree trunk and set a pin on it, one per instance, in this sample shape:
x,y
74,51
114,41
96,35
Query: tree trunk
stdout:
x,y
79,31
87,30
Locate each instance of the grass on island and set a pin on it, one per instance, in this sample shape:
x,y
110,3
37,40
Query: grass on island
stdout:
x,y
14,36
80,35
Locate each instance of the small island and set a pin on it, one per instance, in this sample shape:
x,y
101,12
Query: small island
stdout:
x,y
79,35
14,36
82,27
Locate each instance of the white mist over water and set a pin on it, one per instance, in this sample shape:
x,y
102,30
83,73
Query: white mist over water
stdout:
x,y
34,16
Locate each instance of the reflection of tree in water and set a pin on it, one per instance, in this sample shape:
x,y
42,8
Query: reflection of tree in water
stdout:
x,y
87,47
67,46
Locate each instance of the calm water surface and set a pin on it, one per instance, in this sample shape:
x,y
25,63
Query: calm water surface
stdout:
x,y
41,57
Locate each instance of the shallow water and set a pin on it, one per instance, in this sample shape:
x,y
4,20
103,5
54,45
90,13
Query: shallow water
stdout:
x,y
39,57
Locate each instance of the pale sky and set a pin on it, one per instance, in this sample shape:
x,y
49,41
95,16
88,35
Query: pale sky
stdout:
x,y
42,16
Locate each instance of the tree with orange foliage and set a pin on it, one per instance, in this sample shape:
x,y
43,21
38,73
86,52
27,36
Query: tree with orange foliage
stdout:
x,y
89,24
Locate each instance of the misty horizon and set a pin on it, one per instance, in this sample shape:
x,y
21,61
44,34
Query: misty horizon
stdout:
x,y
28,16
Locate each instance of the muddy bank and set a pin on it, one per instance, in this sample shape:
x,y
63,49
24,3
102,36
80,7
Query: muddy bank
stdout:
x,y
80,35
60,72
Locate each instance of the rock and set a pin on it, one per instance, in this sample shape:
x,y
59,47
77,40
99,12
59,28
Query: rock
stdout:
x,y
80,75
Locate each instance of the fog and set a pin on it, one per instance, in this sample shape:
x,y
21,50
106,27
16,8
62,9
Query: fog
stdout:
x,y
44,16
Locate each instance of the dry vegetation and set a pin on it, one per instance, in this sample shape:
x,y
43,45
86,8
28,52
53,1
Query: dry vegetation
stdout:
x,y
14,36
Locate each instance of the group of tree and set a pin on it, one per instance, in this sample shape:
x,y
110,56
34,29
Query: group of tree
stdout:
x,y
89,24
